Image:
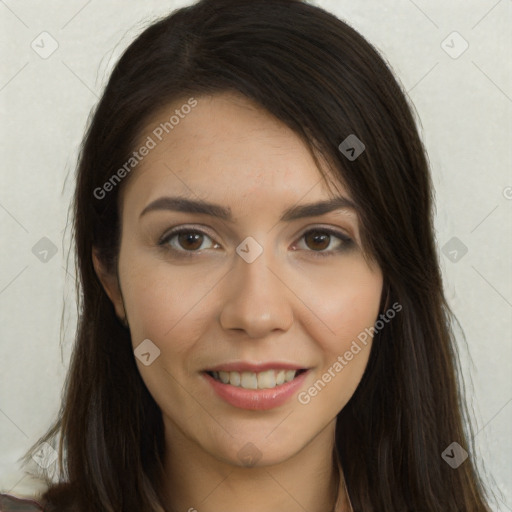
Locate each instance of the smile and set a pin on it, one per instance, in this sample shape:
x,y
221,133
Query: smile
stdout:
x,y
266,388
267,379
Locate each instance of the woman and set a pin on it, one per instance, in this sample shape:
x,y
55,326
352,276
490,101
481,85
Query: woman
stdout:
x,y
263,325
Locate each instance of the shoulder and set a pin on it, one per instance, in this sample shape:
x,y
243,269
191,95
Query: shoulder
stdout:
x,y
10,503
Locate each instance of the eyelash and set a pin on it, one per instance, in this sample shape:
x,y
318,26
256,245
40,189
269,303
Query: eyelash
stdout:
x,y
347,242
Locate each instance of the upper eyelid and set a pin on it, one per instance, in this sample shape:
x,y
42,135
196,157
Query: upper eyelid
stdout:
x,y
183,228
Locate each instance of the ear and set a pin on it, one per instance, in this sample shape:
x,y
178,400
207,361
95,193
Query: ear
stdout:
x,y
110,284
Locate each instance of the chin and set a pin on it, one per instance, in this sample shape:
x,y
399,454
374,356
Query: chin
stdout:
x,y
257,451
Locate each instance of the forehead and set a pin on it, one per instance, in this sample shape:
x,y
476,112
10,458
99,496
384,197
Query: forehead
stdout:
x,y
225,146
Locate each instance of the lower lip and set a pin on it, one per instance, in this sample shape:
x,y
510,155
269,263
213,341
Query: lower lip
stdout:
x,y
256,399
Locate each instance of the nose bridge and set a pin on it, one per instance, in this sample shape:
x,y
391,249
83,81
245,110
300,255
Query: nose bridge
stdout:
x,y
257,301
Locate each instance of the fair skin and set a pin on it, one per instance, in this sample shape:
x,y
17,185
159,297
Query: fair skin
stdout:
x,y
289,306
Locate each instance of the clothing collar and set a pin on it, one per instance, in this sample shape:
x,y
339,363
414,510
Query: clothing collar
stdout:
x,y
343,503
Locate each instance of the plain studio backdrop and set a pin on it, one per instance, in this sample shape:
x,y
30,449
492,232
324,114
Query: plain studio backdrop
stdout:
x,y
452,58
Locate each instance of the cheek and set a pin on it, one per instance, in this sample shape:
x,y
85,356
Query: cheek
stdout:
x,y
342,303
171,307
346,308
163,302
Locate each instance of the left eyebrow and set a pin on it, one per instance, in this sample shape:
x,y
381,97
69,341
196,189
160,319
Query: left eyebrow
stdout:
x,y
315,209
183,204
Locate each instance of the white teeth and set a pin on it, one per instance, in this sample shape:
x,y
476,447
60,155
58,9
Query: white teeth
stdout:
x,y
234,378
249,380
267,379
289,375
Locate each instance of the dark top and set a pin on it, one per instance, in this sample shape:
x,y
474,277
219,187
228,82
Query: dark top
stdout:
x,y
13,504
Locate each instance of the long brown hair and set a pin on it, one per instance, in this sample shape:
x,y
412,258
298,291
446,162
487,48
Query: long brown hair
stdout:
x,y
326,82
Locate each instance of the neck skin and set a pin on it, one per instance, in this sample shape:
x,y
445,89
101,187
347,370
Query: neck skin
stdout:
x,y
195,480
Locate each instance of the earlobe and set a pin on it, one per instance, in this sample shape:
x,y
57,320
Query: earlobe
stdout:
x,y
110,283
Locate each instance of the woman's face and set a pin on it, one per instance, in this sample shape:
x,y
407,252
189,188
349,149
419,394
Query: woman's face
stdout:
x,y
260,290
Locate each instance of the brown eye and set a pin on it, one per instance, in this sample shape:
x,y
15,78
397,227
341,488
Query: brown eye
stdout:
x,y
317,240
325,242
187,241
190,240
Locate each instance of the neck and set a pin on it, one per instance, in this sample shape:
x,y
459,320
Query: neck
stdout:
x,y
195,480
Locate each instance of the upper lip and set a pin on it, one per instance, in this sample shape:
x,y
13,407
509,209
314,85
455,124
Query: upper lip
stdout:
x,y
242,366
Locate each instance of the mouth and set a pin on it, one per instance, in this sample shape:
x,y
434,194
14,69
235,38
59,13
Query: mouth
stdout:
x,y
267,379
256,387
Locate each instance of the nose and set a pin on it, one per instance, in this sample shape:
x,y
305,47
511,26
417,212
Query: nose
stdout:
x,y
258,299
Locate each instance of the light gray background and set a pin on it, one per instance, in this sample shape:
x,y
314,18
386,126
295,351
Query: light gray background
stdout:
x,y
465,107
